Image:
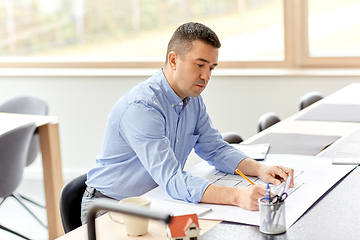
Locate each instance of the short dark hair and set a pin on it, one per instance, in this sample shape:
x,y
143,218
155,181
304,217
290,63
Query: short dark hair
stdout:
x,y
183,36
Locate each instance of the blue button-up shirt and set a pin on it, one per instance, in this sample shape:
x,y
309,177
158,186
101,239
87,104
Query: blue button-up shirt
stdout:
x,y
149,134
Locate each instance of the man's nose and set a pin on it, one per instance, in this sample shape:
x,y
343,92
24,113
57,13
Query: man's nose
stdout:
x,y
205,75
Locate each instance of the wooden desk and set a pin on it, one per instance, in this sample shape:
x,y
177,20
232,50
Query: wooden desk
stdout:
x,y
107,229
334,216
50,149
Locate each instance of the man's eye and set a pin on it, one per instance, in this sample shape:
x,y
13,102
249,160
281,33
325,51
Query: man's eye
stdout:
x,y
200,65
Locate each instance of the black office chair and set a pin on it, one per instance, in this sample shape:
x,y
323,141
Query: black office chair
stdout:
x,y
266,120
309,98
70,203
13,153
232,137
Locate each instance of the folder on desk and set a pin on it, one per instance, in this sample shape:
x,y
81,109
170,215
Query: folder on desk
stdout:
x,y
254,151
347,151
346,161
333,113
294,143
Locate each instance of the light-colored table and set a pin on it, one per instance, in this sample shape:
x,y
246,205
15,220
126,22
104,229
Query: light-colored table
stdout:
x,y
334,216
347,95
107,229
51,158
337,213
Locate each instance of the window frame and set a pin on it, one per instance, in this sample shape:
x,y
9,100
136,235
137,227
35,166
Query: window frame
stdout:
x,y
304,59
295,41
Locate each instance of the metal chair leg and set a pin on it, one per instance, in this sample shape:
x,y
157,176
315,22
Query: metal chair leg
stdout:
x,y
31,201
13,232
20,200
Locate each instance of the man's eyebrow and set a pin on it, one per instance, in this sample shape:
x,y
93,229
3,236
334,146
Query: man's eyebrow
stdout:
x,y
204,60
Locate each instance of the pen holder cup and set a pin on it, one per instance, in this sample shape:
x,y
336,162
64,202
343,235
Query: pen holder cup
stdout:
x,y
272,217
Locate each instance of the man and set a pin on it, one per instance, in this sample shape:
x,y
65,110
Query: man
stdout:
x,y
152,129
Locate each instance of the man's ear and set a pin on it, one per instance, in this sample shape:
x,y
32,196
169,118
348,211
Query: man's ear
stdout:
x,y
172,58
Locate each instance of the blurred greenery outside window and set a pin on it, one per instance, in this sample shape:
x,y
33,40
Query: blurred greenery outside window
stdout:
x,y
138,30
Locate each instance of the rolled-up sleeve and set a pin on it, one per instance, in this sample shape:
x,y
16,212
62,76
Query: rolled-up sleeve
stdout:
x,y
212,148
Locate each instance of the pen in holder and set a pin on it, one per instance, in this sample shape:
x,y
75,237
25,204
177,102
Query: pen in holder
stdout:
x,y
272,216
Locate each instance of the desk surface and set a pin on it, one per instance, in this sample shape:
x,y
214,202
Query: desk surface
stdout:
x,y
336,215
11,120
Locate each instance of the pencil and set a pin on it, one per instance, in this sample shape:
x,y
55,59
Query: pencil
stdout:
x,y
241,174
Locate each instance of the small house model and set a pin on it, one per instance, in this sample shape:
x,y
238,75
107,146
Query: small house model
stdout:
x,y
184,227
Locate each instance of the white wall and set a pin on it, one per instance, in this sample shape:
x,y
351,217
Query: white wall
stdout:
x,y
83,103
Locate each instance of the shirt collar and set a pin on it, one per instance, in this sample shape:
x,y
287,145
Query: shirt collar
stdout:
x,y
173,98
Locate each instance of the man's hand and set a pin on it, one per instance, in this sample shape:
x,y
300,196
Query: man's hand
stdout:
x,y
248,197
276,174
271,174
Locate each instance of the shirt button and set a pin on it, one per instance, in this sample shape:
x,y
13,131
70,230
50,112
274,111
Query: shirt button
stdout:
x,y
177,140
180,103
172,105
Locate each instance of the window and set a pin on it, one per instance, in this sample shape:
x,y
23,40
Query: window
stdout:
x,y
331,23
330,33
135,33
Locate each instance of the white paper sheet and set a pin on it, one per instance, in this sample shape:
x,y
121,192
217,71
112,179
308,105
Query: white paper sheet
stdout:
x,y
313,177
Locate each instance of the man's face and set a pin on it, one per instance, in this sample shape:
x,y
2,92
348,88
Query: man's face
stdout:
x,y
192,73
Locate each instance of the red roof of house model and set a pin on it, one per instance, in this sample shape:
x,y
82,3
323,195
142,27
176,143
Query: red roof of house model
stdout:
x,y
179,224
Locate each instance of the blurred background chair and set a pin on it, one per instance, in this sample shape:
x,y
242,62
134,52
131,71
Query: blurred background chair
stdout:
x,y
309,98
232,137
266,120
13,153
70,203
28,104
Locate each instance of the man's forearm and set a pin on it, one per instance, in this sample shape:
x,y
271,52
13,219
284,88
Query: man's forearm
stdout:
x,y
245,198
249,167
220,195
227,195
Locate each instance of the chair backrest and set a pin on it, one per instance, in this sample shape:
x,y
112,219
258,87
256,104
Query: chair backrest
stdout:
x,y
28,104
309,98
13,153
232,137
70,203
266,120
